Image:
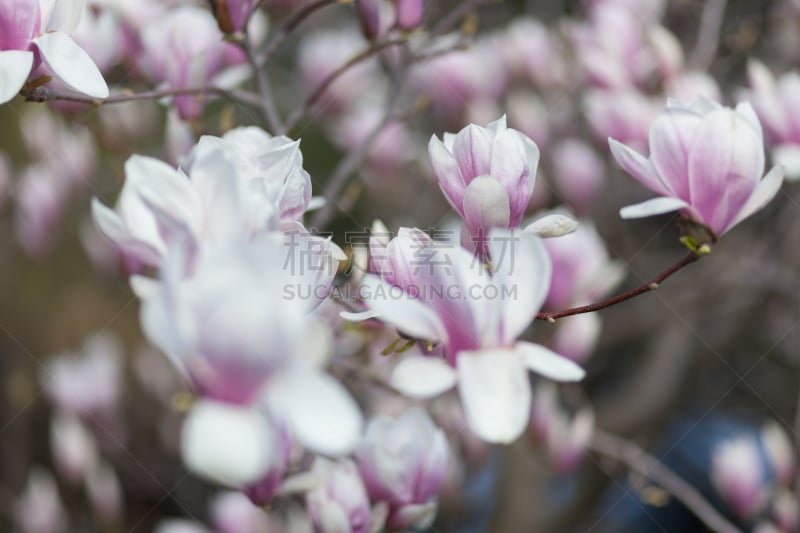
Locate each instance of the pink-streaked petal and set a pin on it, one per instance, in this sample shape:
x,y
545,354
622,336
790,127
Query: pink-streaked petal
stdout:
x,y
637,166
522,270
447,173
747,112
423,377
671,137
548,363
65,15
655,206
15,66
472,149
113,227
318,410
486,205
726,162
763,194
71,64
391,305
495,392
229,444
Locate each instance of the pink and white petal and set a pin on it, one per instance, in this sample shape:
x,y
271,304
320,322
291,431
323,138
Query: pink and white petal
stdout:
x,y
472,150
423,377
229,444
748,113
65,15
509,159
318,411
71,64
765,191
788,156
495,392
671,137
655,206
391,305
447,173
114,228
638,167
15,66
548,363
521,264
486,204
725,164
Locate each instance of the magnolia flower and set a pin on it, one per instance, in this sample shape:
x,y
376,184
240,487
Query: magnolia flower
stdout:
x,y
88,381
705,160
239,188
474,319
487,175
565,436
403,462
184,49
249,351
73,446
409,14
395,260
232,512
33,33
579,173
776,105
339,503
737,474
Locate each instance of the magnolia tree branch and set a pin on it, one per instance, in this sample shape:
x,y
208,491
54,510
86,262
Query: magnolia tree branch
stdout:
x,y
651,285
319,92
288,27
267,106
648,466
44,94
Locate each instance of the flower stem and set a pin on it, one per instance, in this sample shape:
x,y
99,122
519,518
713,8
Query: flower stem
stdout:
x,y
651,285
651,468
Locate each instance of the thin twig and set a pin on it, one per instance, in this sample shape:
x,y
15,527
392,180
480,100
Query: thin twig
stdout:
x,y
347,166
43,94
651,285
267,106
648,466
312,100
283,33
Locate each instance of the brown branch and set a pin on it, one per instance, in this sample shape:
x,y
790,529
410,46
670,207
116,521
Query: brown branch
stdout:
x,y
43,94
648,466
318,93
651,285
288,27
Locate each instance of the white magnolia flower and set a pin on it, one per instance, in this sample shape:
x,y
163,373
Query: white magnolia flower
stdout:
x,y
34,34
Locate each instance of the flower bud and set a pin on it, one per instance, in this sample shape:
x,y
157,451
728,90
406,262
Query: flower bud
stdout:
x,y
397,259
737,474
232,15
403,461
339,502
409,14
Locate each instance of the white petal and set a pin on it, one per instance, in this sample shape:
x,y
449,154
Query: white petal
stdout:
x,y
764,192
71,64
65,15
15,66
228,444
637,166
495,393
655,206
788,156
319,411
552,226
423,377
109,222
548,363
522,271
391,305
